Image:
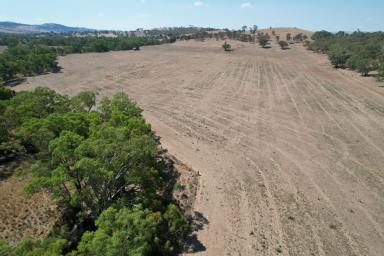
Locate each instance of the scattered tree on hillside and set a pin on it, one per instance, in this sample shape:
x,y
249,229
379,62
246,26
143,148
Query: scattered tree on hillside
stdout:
x,y
227,47
244,28
263,41
254,29
283,45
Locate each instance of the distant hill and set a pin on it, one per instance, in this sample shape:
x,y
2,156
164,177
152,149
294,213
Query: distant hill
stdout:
x,y
18,28
283,31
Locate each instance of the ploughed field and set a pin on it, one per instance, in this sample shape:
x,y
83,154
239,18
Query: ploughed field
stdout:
x,y
290,150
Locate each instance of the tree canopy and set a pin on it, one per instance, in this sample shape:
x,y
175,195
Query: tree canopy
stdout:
x,y
360,51
101,166
263,41
226,46
283,45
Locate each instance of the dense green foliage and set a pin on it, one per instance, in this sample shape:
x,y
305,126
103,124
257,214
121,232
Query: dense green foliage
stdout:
x,y
360,51
381,72
135,232
27,60
49,246
339,56
101,167
79,44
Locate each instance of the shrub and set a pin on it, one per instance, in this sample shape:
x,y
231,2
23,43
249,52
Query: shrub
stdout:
x,y
364,66
381,72
283,45
263,41
226,46
339,57
5,93
353,61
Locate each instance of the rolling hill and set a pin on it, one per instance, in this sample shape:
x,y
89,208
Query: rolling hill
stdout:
x,y
19,28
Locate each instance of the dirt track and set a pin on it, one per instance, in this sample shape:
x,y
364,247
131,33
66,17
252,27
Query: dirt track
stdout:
x,y
290,151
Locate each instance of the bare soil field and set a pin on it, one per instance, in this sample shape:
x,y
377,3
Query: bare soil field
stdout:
x,y
290,151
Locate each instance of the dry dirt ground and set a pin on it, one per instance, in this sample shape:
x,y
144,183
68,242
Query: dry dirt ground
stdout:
x,y
23,216
290,151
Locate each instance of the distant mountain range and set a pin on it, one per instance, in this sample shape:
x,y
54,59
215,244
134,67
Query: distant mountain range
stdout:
x,y
18,28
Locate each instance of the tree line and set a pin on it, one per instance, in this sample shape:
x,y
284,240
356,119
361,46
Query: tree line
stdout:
x,y
360,51
79,44
103,168
27,61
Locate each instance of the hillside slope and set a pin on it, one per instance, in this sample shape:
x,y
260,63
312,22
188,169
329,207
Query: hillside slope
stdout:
x,y
19,28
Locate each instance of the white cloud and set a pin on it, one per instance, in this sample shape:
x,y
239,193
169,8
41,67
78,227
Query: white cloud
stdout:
x,y
246,5
198,4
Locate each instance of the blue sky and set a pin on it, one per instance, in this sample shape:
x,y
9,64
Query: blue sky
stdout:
x,y
332,15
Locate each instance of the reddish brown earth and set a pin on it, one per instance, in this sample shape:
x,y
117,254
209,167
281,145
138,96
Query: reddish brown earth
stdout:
x,y
290,150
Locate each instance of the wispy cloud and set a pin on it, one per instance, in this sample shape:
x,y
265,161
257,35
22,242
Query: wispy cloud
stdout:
x,y
198,4
246,5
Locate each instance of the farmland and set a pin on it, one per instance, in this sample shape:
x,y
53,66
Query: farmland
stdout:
x,y
289,149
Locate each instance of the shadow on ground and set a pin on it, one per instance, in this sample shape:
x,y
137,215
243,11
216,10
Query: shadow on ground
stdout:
x,y
198,223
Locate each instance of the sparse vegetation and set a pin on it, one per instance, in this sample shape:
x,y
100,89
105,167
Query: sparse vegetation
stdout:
x,y
178,186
